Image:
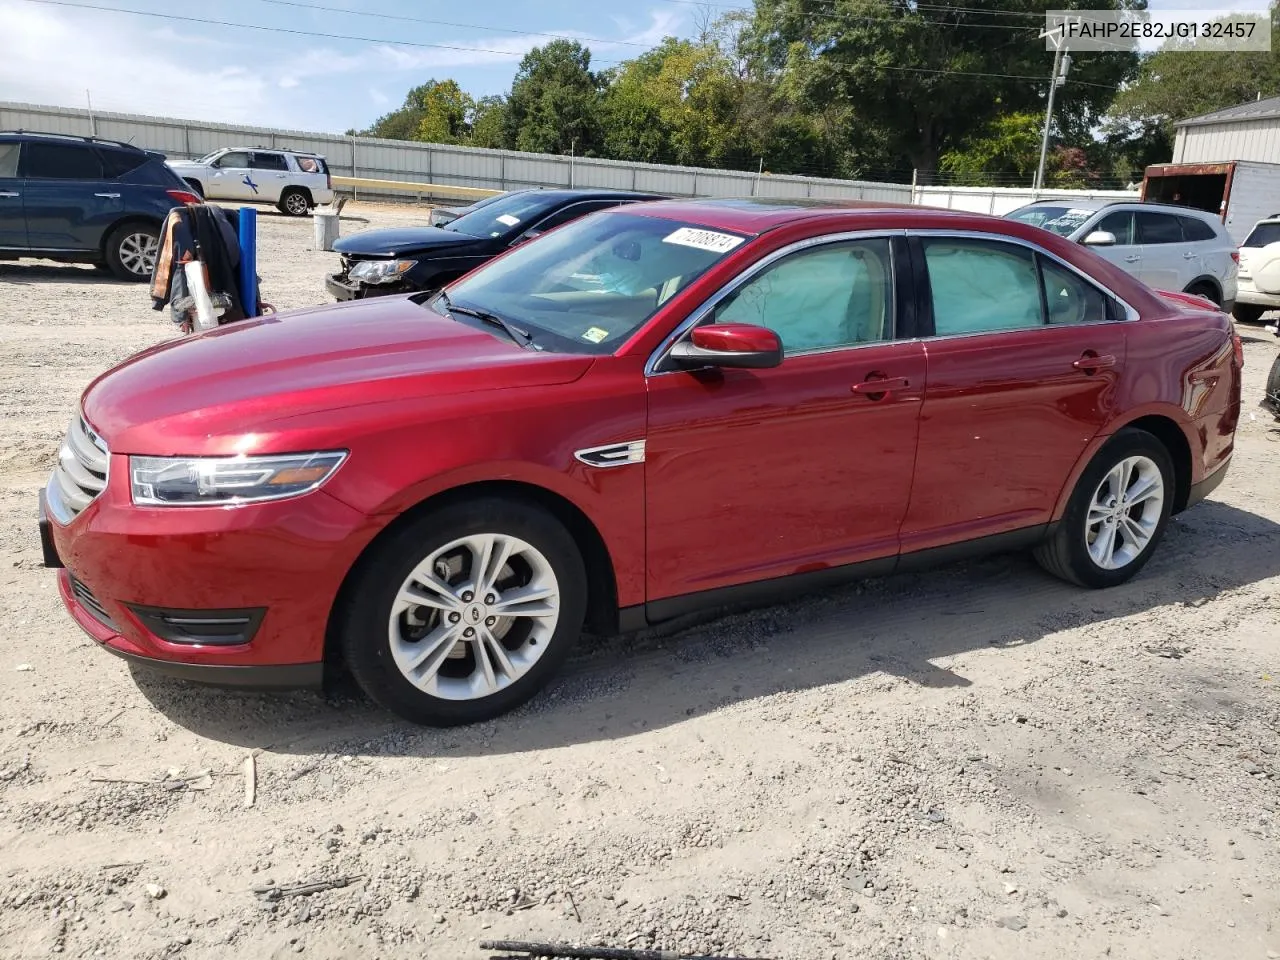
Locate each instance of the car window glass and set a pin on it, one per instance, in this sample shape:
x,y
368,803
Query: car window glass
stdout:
x,y
116,163
1261,235
830,296
1063,221
8,159
233,160
506,216
1193,228
980,286
1119,223
1069,298
308,164
60,161
572,212
268,161
1158,228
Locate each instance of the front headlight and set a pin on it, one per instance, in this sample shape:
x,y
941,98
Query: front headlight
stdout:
x,y
198,481
380,271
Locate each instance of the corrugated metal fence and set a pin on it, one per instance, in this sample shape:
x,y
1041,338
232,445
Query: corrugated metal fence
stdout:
x,y
493,169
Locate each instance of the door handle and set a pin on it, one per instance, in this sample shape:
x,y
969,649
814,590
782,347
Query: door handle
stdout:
x,y
1132,259
9,193
1190,256
109,196
1092,361
882,385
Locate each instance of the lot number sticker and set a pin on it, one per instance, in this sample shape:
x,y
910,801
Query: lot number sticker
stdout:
x,y
703,239
508,219
595,334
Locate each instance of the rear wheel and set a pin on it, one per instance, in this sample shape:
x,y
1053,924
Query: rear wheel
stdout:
x,y
131,250
464,613
1206,290
295,202
1248,312
1116,515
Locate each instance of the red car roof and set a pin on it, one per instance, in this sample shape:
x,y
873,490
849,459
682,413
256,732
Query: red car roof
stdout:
x,y
754,215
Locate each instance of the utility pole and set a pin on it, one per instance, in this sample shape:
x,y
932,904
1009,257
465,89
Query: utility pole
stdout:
x,y
1061,64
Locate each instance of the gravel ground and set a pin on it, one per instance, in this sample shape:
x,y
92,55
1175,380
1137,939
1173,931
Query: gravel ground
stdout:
x,y
976,762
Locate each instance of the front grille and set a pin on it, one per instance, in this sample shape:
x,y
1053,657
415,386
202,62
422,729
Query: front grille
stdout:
x,y
81,473
91,603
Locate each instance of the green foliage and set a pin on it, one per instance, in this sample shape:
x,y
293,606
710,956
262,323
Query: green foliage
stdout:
x,y
488,122
554,106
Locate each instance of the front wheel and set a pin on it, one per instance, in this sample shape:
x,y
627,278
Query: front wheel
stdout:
x,y
1116,515
464,613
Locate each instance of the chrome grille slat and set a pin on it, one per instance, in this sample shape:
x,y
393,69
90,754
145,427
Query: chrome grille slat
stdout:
x,y
81,472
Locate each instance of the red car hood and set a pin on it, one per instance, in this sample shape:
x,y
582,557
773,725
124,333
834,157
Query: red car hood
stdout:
x,y
245,377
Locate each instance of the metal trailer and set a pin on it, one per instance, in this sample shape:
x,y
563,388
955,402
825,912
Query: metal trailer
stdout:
x,y
1241,192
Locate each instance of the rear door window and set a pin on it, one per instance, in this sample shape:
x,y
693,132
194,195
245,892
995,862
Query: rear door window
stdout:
x,y
572,212
1193,228
1156,228
268,161
60,161
982,286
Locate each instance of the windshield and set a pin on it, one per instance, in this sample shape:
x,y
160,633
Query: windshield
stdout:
x,y
1063,221
587,286
507,214
1263,234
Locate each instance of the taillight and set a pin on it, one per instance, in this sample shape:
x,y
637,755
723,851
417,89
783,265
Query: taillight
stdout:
x,y
1237,349
1235,255
184,196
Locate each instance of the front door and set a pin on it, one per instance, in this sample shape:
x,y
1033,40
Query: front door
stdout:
x,y
1024,367
757,474
13,222
231,178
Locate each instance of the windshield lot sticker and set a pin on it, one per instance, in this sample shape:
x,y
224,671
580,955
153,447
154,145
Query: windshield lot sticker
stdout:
x,y
703,239
595,334
508,219
1072,218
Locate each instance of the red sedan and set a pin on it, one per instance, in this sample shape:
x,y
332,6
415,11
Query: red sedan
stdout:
x,y
678,405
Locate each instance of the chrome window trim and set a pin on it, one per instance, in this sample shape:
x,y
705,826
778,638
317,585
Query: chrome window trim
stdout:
x,y
1131,314
700,312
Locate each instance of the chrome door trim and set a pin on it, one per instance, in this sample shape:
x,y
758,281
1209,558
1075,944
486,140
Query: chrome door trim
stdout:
x,y
1131,314
700,312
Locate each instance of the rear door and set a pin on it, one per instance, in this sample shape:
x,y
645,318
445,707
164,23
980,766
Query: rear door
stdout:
x,y
1024,360
13,223
270,172
68,203
1167,264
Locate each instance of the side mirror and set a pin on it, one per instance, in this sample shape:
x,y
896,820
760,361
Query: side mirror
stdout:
x,y
1100,238
729,345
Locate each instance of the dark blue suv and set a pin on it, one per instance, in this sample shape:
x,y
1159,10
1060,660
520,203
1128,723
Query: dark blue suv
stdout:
x,y
85,200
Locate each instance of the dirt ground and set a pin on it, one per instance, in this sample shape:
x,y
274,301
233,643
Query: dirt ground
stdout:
x,y
975,762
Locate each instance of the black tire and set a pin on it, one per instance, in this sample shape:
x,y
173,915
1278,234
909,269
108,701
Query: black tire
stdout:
x,y
295,202
1248,312
1206,290
362,622
1273,388
1066,554
196,187
122,251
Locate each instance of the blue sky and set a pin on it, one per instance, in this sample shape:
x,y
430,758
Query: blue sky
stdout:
x,y
52,53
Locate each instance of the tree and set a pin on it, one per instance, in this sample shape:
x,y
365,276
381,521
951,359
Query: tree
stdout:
x,y
554,106
926,80
488,122
446,113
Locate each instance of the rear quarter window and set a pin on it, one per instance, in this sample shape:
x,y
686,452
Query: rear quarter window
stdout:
x,y
116,163
1193,228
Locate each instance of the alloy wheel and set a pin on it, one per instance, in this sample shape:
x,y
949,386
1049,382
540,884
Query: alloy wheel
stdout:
x,y
1124,513
138,253
474,616
296,203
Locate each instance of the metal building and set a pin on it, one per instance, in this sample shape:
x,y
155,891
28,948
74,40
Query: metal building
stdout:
x,y
1250,131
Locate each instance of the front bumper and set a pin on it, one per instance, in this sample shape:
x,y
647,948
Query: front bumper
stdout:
x,y
131,576
342,289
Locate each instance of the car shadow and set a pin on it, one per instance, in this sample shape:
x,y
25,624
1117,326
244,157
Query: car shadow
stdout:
x,y
897,626
20,273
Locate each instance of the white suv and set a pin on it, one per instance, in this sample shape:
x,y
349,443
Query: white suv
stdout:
x,y
294,182
1166,247
1259,271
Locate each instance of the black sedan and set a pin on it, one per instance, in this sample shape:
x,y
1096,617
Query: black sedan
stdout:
x,y
404,259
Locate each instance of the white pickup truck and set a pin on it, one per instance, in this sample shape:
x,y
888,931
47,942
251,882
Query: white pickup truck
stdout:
x,y
294,182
